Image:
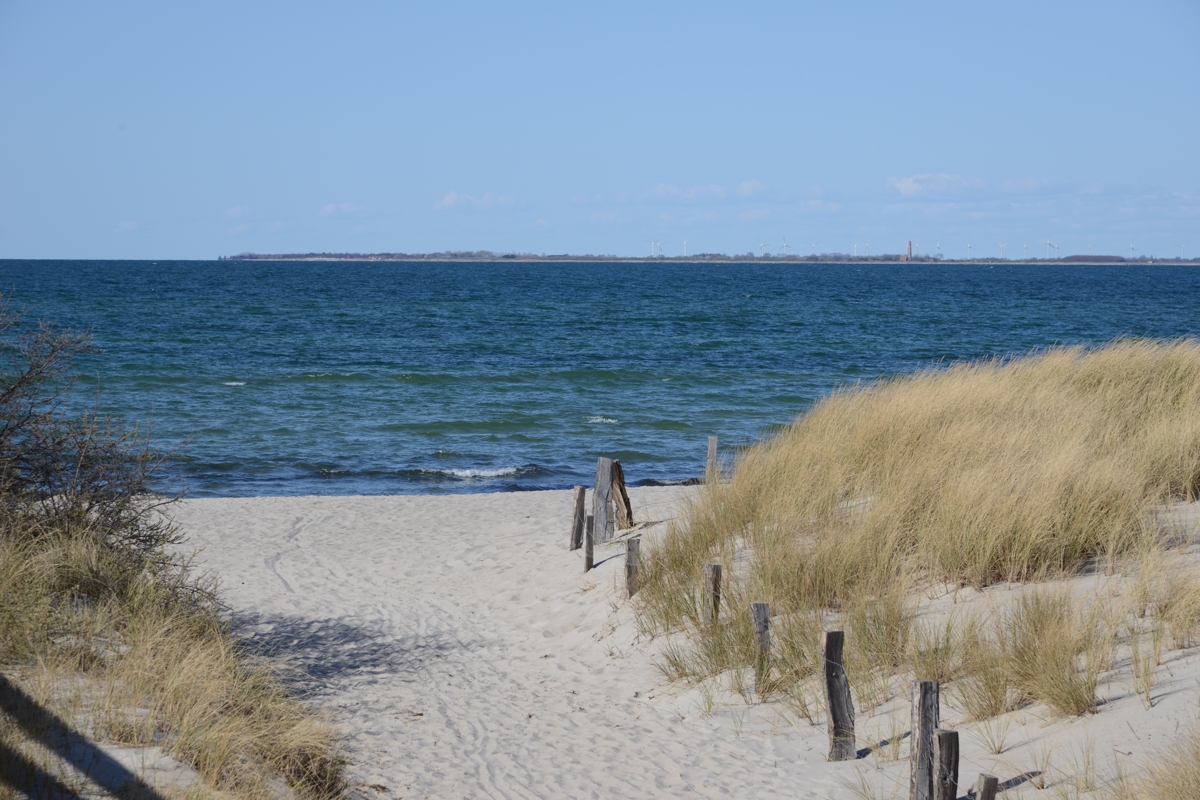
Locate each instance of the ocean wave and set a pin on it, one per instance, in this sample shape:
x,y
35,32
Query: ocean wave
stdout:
x,y
496,472
601,421
233,383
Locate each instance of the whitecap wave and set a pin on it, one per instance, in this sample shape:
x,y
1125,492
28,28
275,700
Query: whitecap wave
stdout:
x,y
497,472
601,421
233,383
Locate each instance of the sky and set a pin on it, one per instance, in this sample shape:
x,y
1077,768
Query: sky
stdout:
x,y
193,130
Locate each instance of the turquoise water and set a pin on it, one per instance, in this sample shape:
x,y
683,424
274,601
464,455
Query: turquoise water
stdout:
x,y
373,378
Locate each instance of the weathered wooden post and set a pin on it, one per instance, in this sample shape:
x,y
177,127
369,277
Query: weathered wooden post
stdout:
x,y
602,500
987,787
710,467
589,543
577,518
761,614
837,696
621,497
633,554
926,712
712,593
945,764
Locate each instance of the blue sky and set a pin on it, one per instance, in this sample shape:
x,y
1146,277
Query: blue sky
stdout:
x,y
192,130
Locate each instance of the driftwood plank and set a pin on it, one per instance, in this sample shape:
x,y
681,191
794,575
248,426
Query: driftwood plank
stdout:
x,y
621,497
987,787
602,500
710,465
589,543
945,764
926,712
837,696
633,554
712,593
577,518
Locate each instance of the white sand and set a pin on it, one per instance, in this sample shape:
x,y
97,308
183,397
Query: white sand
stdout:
x,y
464,653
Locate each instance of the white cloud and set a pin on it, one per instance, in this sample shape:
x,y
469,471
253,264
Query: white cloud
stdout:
x,y
928,182
541,222
126,227
339,208
238,211
236,229
459,200
751,187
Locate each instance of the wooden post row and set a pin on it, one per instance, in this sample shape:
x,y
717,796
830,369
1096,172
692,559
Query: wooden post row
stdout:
x,y
633,550
602,500
621,497
837,696
712,593
577,519
945,764
710,466
926,711
589,543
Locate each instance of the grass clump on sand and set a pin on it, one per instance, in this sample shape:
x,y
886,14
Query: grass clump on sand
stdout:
x,y
101,627
1003,470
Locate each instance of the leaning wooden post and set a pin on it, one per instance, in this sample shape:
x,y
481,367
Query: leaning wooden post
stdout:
x,y
925,718
710,467
602,500
621,497
633,554
837,696
577,518
589,543
987,787
712,593
945,764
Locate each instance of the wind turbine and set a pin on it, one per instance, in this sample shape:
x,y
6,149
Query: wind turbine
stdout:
x,y
1183,252
685,241
968,251
916,249
938,248
784,247
813,245
1025,248
856,249
1055,252
1131,251
653,244
867,247
1001,246
761,247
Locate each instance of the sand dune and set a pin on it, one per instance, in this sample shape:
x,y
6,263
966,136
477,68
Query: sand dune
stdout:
x,y
464,653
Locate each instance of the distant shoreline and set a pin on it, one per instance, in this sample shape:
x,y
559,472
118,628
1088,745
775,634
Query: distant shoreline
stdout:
x,y
824,258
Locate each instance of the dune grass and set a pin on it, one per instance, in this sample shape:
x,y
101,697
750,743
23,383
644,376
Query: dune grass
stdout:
x,y
1008,470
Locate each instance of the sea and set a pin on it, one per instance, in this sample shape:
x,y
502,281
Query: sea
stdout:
x,y
359,377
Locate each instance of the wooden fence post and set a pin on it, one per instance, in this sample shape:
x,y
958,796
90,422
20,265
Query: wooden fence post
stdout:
x,y
987,787
710,467
712,593
926,713
761,614
577,519
602,500
633,554
589,543
837,696
621,497
945,764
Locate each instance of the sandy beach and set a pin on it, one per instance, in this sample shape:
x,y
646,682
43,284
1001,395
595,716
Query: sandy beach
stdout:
x,y
463,652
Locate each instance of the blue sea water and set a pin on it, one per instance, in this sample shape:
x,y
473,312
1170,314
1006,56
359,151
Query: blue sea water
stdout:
x,y
280,378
